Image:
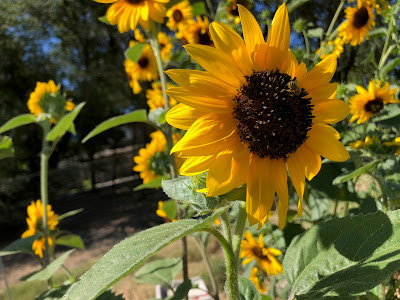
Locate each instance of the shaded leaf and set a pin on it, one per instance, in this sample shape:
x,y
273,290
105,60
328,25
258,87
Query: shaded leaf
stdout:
x,y
18,121
153,184
161,271
170,209
104,20
390,65
294,4
182,290
366,169
6,147
20,246
199,8
133,53
54,293
69,214
247,289
70,240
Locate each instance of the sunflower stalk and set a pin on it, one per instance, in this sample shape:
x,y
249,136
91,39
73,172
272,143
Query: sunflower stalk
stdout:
x,y
226,227
334,19
241,222
385,51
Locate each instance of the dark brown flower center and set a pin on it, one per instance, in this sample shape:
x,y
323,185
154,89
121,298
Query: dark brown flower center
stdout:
x,y
162,46
143,62
259,253
374,106
361,17
273,114
204,38
177,15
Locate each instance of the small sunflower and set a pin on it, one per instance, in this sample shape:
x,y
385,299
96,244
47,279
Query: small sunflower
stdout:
x,y
366,143
179,15
360,21
368,103
233,9
138,37
196,33
255,113
155,97
34,221
256,280
165,45
332,47
251,249
128,13
46,98
144,70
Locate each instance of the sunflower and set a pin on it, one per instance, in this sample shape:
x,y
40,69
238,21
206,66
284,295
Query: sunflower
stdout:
x,y
360,21
335,47
34,221
368,103
233,9
138,37
179,15
196,33
366,143
127,13
256,280
253,113
144,70
251,249
165,45
155,97
46,98
152,160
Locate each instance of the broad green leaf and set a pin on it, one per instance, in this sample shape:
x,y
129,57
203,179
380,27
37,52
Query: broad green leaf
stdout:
x,y
199,8
170,209
182,290
126,256
247,289
103,19
133,53
69,214
134,116
343,257
18,121
294,4
6,147
47,272
366,169
70,240
20,246
161,271
390,65
153,184
64,124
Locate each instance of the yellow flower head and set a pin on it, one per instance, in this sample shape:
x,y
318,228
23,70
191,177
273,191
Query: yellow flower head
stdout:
x,y
368,103
233,9
179,15
360,21
34,221
256,280
155,97
128,13
251,249
47,99
138,37
366,143
165,45
195,33
144,70
332,47
255,113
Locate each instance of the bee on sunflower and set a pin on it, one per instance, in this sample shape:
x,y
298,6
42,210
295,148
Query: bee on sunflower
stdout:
x,y
126,14
179,15
245,126
35,225
195,33
368,103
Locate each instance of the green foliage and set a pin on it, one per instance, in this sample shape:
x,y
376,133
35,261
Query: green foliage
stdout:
x,y
104,20
6,147
247,289
182,290
126,256
170,209
343,257
133,53
153,184
294,4
54,293
20,246
161,271
157,116
390,66
49,270
199,8
365,169
134,116
64,124
70,240
18,121
69,214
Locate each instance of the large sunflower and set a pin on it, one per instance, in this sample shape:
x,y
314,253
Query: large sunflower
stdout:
x,y
368,103
179,15
254,112
127,13
360,21
251,249
34,221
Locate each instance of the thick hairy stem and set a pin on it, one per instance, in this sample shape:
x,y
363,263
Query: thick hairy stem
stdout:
x,y
226,227
237,237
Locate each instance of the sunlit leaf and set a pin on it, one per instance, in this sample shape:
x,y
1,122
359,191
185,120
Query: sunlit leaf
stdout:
x,y
366,169
18,121
134,52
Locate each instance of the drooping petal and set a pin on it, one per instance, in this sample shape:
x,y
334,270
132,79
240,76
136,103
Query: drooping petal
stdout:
x,y
279,34
322,73
296,168
183,116
330,111
197,165
279,181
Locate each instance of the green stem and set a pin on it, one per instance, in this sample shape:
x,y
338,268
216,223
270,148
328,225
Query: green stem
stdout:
x,y
226,227
334,19
241,222
307,46
386,45
203,252
210,8
67,271
382,290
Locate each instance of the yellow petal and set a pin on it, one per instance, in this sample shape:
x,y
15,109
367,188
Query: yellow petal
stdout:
x,y
312,161
279,34
330,111
196,165
279,181
183,116
325,91
105,1
323,140
322,73
296,168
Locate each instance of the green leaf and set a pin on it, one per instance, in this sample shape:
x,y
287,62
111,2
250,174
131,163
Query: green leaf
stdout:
x,y
199,8
126,256
18,121
247,289
133,53
157,115
6,147
294,4
54,293
153,184
64,124
366,169
110,295
69,214
390,65
343,257
47,272
104,20
134,116
20,246
170,209
161,271
182,290
378,32
70,240
315,33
